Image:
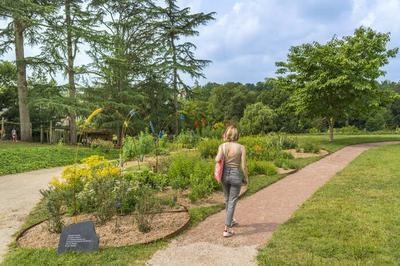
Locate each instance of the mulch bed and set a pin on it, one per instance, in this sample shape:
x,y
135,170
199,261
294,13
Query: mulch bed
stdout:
x,y
297,154
163,225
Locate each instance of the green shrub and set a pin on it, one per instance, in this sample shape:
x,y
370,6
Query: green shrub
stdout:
x,y
54,201
181,168
102,145
284,155
286,164
146,207
261,168
348,130
156,181
283,141
311,147
314,130
162,148
211,132
202,182
208,148
186,139
257,119
375,122
267,147
102,198
136,148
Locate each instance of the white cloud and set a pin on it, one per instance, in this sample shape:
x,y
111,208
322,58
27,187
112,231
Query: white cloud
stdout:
x,y
249,36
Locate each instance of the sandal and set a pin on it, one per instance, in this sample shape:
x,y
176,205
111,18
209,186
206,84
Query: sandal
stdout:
x,y
228,233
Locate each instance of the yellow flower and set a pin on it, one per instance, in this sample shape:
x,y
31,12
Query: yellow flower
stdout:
x,y
95,112
94,160
125,123
55,182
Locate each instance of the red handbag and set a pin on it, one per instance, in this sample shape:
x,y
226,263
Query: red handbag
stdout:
x,y
219,167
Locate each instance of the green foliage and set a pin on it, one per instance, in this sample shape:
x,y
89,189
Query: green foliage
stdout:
x,y
208,148
261,168
228,101
135,148
156,181
202,181
187,139
284,141
258,119
190,171
268,147
324,81
375,122
311,147
181,168
54,201
314,130
211,132
102,197
286,163
102,145
146,206
348,130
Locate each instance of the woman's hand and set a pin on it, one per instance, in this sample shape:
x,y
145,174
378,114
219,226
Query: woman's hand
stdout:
x,y
245,181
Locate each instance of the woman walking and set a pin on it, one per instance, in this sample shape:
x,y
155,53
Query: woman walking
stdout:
x,y
234,156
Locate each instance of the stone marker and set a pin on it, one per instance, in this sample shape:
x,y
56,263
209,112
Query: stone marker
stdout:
x,y
80,237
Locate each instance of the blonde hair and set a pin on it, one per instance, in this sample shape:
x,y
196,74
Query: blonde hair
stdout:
x,y
231,134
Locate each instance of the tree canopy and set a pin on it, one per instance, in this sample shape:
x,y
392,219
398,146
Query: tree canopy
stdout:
x,y
330,80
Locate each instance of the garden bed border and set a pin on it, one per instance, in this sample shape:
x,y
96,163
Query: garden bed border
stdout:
x,y
168,236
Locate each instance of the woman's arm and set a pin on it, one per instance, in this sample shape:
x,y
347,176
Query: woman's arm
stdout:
x,y
244,165
220,154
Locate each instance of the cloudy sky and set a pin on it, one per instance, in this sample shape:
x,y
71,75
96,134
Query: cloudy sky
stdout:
x,y
249,36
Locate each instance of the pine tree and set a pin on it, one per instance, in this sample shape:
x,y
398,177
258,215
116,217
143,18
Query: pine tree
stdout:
x,y
176,57
122,58
66,30
23,26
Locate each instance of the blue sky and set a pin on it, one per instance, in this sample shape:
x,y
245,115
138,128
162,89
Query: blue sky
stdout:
x,y
249,36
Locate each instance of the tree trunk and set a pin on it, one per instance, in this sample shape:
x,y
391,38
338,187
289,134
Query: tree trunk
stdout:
x,y
120,136
175,85
331,124
71,73
24,118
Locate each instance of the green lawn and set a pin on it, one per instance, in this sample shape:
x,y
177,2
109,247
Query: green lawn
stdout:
x,y
353,220
341,141
22,157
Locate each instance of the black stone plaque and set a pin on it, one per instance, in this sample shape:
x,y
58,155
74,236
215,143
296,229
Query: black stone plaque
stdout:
x,y
80,237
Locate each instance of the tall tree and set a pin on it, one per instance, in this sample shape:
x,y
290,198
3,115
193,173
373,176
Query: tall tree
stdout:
x,y
23,25
122,58
66,30
177,56
8,90
330,80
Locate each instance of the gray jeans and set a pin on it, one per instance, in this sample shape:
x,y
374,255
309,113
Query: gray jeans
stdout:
x,y
231,181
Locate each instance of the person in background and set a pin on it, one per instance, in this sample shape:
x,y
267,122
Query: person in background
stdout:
x,y
234,156
14,135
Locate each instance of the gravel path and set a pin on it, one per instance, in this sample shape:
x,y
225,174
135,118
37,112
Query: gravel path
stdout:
x,y
19,193
259,216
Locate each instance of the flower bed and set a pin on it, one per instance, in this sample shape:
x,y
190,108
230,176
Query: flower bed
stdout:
x,y
118,231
